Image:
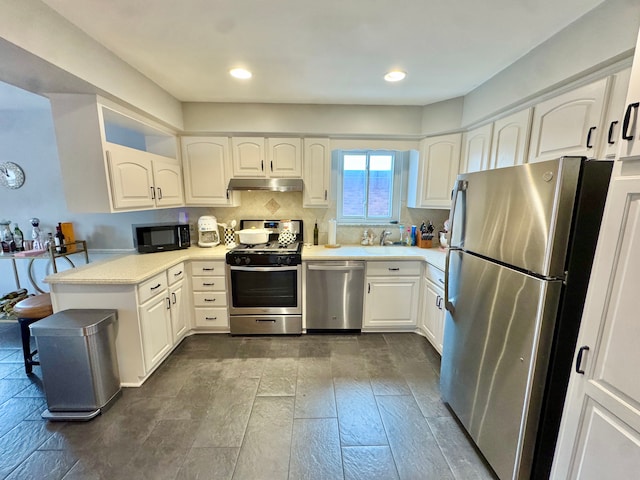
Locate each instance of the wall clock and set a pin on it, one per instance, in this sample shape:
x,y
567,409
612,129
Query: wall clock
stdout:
x,y
11,175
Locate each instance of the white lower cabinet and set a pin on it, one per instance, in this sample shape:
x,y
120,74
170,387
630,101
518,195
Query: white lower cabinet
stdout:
x,y
179,314
391,297
155,329
431,323
208,283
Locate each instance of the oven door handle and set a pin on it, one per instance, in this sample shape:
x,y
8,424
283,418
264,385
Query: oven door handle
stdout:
x,y
263,269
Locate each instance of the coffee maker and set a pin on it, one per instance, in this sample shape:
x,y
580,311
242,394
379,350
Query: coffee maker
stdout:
x,y
208,235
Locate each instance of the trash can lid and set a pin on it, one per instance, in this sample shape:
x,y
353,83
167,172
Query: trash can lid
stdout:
x,y
78,322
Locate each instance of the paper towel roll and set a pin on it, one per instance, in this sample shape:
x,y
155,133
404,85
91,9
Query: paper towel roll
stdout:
x,y
332,232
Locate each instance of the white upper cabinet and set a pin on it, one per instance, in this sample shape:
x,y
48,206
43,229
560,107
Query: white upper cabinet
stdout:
x,y
284,156
630,132
142,180
615,111
510,139
476,149
568,124
259,157
316,172
248,157
120,150
207,169
433,173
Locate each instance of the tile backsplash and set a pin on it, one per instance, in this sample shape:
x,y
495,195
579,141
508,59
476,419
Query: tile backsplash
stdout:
x,y
288,205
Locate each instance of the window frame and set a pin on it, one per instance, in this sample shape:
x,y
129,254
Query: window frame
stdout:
x,y
396,196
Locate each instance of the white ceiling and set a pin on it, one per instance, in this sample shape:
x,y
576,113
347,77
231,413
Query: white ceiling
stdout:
x,y
320,51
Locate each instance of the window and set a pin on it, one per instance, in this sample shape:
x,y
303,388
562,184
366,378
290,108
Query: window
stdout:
x,y
369,187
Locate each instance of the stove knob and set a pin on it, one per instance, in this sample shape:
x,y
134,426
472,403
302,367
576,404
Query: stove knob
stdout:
x,y
247,260
288,260
238,260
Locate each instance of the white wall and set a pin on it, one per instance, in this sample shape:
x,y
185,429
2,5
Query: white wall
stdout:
x,y
52,47
602,36
302,119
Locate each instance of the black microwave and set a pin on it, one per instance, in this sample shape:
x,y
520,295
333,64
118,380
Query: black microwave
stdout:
x,y
161,237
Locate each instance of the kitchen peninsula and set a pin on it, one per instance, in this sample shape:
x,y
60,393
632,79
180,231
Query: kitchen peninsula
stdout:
x,y
159,297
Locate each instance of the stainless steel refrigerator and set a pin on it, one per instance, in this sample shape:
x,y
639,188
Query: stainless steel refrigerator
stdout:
x,y
522,245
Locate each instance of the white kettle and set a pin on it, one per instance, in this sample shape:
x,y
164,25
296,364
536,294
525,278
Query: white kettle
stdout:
x,y
208,235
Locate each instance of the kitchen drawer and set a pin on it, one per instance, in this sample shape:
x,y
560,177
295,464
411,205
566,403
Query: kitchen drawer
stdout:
x,y
208,267
391,269
212,317
208,284
150,288
435,275
209,299
175,273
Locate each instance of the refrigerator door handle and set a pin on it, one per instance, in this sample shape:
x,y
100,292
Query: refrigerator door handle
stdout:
x,y
459,186
447,304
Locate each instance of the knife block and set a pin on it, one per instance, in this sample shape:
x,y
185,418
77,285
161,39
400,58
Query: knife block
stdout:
x,y
424,243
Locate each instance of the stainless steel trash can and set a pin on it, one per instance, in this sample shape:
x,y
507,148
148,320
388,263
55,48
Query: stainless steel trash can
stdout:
x,y
77,350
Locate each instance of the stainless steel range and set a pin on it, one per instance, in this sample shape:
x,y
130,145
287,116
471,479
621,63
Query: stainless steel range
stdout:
x,y
264,282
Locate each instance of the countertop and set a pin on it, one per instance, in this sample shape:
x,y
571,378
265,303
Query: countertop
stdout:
x,y
135,268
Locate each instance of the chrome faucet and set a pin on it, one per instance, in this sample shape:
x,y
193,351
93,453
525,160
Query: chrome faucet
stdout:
x,y
383,237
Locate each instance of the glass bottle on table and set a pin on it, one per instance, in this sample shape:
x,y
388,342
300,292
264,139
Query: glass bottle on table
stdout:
x,y
59,240
18,238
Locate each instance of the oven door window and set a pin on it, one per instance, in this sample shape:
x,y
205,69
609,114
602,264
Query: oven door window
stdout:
x,y
264,289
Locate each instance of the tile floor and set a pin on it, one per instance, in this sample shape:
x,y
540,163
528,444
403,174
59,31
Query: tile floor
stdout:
x,y
246,408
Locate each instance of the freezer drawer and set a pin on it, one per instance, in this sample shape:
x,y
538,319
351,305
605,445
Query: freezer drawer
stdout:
x,y
498,332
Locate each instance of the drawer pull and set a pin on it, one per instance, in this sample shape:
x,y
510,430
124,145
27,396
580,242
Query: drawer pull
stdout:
x,y
177,274
210,318
441,281
156,287
395,269
263,320
208,269
209,299
208,284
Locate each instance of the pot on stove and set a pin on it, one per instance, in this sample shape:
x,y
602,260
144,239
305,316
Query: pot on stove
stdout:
x,y
254,236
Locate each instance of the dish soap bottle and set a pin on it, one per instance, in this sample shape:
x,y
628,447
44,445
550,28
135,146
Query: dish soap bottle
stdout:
x,y
315,233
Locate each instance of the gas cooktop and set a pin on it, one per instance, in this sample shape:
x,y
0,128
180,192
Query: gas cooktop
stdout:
x,y
269,247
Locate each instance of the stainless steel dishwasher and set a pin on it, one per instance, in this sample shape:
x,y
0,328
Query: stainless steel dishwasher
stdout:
x,y
334,296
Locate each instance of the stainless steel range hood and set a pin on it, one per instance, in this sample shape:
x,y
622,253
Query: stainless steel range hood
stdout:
x,y
270,184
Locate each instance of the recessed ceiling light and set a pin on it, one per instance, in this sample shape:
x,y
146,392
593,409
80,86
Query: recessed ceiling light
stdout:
x,y
240,73
395,76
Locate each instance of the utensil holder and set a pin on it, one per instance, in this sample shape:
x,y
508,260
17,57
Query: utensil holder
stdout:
x,y
229,237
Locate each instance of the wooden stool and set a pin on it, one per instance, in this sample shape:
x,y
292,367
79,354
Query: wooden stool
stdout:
x,y
31,310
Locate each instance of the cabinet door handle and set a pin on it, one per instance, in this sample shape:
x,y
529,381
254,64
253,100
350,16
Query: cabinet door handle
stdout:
x,y
168,303
262,165
325,194
159,193
227,194
272,165
579,359
368,288
156,287
627,119
175,298
153,193
589,144
610,139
